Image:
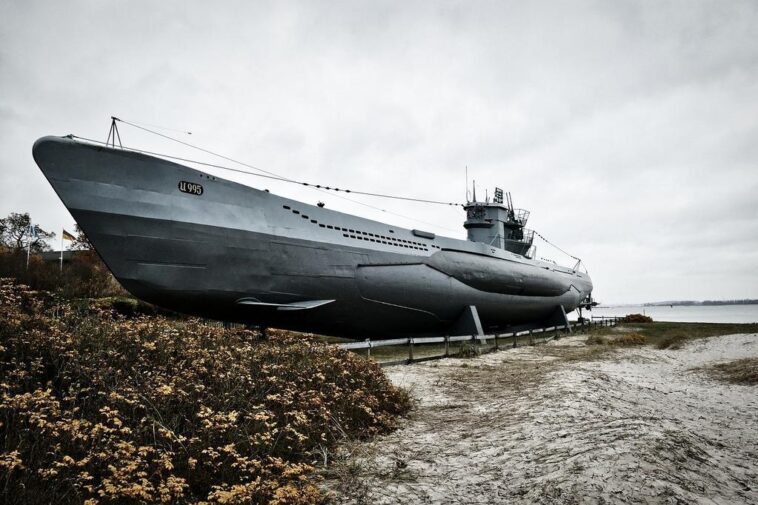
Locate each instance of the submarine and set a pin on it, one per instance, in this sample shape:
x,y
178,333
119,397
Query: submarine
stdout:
x,y
198,244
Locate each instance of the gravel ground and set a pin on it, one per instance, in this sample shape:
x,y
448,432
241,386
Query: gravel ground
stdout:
x,y
566,423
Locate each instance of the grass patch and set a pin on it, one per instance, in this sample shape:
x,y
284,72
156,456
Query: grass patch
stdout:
x,y
623,340
741,371
664,335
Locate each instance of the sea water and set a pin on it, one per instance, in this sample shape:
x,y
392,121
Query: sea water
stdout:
x,y
685,314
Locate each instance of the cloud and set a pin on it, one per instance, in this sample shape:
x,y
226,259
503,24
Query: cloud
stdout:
x,y
627,128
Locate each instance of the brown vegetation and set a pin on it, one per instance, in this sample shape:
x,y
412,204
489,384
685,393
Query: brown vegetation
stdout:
x,y
21,246
85,276
740,371
95,407
636,318
629,339
623,340
596,340
672,342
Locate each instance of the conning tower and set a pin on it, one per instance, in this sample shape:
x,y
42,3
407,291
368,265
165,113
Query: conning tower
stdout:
x,y
498,224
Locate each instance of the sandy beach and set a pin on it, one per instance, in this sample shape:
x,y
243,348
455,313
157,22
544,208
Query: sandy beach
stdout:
x,y
567,422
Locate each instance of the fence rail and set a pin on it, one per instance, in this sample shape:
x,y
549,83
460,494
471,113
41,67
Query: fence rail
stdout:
x,y
536,336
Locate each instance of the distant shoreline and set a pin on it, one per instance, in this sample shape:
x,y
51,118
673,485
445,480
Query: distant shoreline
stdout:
x,y
706,303
723,313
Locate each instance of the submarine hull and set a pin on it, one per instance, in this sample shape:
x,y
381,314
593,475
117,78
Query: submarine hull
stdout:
x,y
202,245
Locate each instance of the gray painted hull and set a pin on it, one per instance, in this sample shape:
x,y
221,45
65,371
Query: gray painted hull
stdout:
x,y
236,253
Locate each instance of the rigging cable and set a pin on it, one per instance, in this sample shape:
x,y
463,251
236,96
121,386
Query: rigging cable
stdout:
x,y
276,177
287,179
564,252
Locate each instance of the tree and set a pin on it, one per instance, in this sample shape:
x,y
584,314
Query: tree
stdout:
x,y
81,242
15,233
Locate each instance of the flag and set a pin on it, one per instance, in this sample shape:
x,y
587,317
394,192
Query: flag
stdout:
x,y
68,236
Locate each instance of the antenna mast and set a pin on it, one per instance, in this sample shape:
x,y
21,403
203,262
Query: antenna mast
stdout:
x,y
113,134
467,200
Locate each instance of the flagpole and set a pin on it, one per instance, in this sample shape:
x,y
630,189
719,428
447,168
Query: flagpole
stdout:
x,y
29,247
62,230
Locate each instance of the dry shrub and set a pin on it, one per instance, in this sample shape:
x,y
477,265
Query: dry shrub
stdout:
x,y
625,340
95,407
596,340
636,318
84,276
629,339
740,371
672,342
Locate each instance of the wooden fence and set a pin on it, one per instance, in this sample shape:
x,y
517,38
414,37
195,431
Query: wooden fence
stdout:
x,y
501,340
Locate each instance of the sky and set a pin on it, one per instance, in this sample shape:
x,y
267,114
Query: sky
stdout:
x,y
628,129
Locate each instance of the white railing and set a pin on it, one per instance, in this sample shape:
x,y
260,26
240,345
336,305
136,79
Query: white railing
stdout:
x,y
528,337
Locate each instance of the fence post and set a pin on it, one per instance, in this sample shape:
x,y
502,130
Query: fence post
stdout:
x,y
447,345
410,349
496,346
368,349
515,339
531,338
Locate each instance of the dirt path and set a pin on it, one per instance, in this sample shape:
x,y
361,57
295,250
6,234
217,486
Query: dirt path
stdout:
x,y
567,423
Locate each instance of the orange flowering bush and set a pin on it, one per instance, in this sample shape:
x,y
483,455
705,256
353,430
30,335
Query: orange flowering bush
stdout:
x,y
97,408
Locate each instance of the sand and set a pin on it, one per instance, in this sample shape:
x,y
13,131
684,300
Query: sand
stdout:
x,y
566,423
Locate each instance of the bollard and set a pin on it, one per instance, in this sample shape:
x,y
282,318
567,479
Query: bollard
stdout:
x,y
496,346
531,339
447,345
515,339
368,349
410,349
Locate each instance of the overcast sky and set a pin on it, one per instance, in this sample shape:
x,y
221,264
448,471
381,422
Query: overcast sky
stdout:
x,y
629,129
